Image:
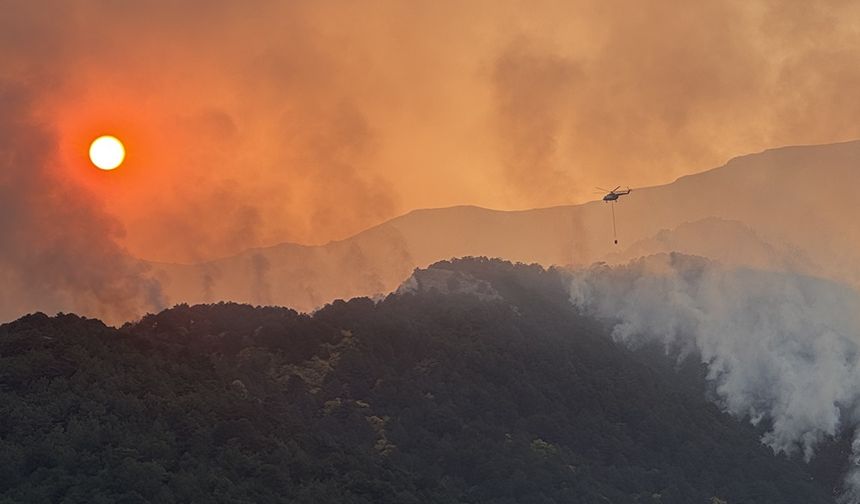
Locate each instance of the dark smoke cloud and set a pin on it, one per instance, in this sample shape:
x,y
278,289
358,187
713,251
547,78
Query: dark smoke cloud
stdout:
x,y
533,89
335,164
58,249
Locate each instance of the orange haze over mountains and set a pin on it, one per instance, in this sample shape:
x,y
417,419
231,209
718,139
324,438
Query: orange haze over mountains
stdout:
x,y
249,125
754,212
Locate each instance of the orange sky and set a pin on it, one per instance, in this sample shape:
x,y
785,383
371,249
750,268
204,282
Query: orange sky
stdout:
x,y
253,123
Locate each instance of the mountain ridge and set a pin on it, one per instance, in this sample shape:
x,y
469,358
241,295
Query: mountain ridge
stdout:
x,y
792,197
406,215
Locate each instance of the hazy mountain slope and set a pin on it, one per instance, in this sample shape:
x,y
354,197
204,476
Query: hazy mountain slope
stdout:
x,y
794,198
372,262
294,275
794,195
710,238
431,396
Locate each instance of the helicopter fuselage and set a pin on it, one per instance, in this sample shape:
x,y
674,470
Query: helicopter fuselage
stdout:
x,y
615,195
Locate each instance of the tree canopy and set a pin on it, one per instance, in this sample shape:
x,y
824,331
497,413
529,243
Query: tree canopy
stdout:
x,y
433,396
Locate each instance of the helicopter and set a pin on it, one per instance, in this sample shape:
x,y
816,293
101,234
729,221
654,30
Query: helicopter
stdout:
x,y
611,197
614,194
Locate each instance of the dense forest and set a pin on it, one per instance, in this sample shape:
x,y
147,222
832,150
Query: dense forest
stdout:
x,y
476,383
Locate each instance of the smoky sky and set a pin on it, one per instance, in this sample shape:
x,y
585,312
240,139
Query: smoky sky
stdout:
x,y
254,123
59,250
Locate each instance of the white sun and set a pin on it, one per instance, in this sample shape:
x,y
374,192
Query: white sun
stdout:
x,y
107,152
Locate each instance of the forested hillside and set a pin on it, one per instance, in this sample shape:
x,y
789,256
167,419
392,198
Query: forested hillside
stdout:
x,y
483,385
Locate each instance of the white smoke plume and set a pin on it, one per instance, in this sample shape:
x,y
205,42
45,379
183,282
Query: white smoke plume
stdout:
x,y
779,347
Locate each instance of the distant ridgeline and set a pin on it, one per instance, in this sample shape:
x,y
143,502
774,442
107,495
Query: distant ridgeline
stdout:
x,y
478,382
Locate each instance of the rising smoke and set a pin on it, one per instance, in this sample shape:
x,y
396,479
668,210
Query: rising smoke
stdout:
x,y
780,348
58,250
307,121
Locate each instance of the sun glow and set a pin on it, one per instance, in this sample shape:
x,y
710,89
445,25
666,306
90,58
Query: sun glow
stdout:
x,y
107,152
